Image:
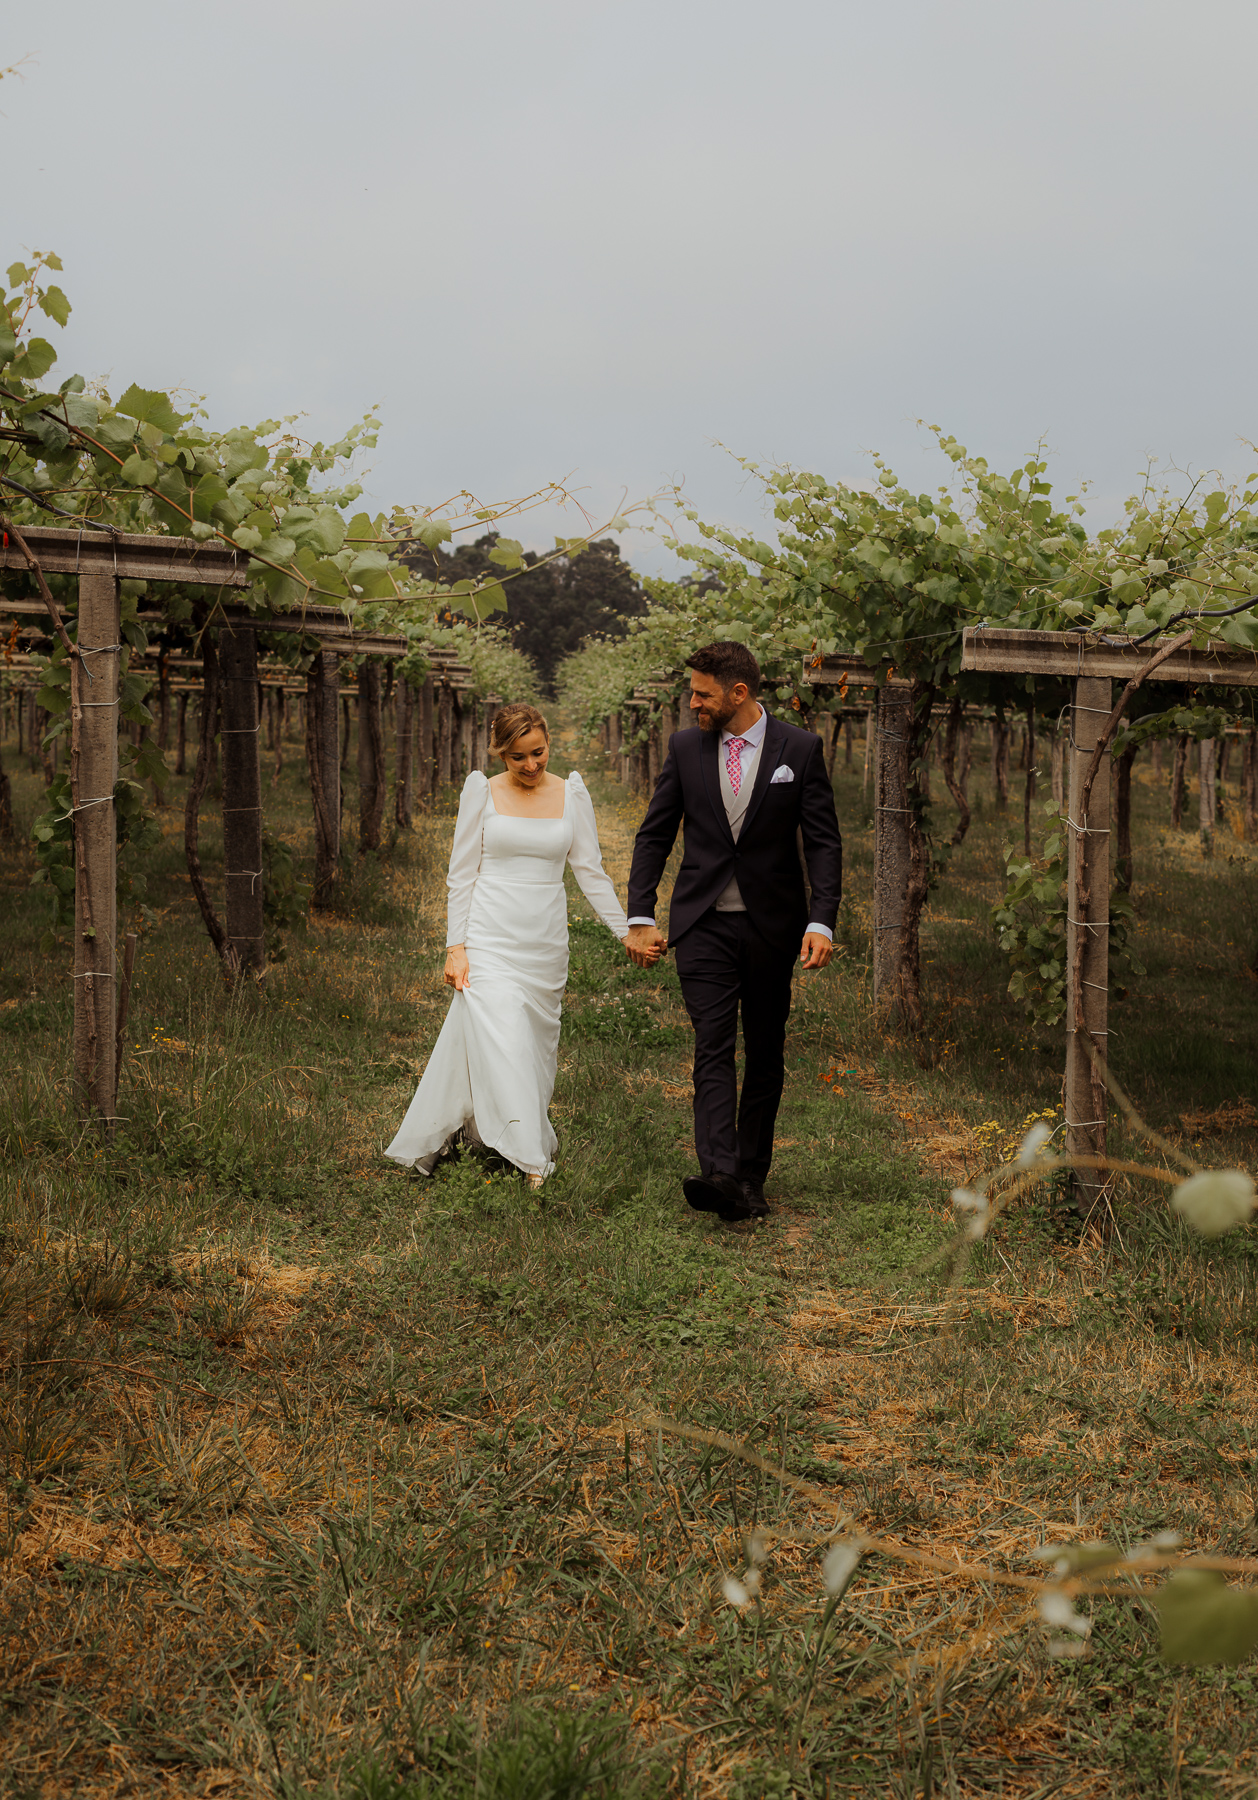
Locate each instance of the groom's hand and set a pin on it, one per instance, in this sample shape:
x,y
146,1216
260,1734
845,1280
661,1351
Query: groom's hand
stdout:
x,y
815,951
645,945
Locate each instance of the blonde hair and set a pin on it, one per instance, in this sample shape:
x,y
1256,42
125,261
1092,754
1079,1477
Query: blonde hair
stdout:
x,y
512,722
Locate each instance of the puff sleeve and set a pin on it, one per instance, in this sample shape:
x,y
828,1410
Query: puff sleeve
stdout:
x,y
586,860
465,855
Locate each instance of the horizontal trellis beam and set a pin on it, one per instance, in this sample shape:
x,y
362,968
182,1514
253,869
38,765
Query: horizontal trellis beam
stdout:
x,y
130,556
1072,655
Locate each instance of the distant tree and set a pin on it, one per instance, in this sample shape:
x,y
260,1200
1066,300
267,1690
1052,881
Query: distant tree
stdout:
x,y
553,606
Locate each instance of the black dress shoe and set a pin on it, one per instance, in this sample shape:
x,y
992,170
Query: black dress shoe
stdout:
x,y
720,1194
753,1194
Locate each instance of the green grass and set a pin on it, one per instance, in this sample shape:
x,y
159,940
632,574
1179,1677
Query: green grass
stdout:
x,y
322,1479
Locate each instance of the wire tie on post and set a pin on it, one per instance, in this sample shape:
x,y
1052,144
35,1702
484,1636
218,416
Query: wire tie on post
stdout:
x,y
254,874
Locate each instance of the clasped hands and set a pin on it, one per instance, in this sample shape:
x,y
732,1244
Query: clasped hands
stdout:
x,y
645,945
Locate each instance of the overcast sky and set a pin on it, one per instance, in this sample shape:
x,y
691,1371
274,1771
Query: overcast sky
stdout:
x,y
586,239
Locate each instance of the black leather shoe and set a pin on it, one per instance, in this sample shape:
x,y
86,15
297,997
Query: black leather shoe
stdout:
x,y
753,1194
720,1194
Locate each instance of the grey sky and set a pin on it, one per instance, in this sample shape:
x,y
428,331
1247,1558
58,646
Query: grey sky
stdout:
x,y
552,237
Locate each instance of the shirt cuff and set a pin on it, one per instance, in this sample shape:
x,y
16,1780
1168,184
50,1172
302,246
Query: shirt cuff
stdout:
x,y
821,930
642,921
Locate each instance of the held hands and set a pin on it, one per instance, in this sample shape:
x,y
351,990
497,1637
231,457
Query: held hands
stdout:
x,y
457,974
644,945
815,951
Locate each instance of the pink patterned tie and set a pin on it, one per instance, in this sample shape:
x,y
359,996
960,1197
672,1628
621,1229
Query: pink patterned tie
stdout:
x,y
734,763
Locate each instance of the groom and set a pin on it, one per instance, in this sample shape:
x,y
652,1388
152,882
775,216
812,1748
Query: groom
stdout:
x,y
751,793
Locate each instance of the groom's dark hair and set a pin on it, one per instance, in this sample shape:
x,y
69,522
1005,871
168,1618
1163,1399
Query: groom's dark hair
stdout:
x,y
727,662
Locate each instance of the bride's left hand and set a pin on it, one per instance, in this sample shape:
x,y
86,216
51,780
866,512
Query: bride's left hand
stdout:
x,y
458,975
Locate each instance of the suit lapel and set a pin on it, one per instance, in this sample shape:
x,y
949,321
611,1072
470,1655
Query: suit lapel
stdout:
x,y
774,738
709,754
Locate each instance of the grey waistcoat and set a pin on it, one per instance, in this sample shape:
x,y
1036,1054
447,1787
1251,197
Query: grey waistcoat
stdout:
x,y
729,899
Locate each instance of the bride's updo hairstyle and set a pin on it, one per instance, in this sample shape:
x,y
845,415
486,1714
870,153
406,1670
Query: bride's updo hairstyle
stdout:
x,y
512,722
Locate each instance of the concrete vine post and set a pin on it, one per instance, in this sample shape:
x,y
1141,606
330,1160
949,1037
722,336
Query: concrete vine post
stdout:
x,y
425,779
1087,937
242,799
96,667
892,848
404,753
445,735
371,766
323,756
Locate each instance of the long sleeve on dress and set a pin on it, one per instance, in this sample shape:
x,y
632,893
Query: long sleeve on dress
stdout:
x,y
586,861
465,855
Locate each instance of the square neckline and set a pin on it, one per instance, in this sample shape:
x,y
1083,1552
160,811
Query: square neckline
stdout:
x,y
540,818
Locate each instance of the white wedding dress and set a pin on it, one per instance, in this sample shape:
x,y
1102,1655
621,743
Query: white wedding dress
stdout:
x,y
492,1068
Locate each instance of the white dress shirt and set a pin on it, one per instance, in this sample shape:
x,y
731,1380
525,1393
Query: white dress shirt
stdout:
x,y
752,739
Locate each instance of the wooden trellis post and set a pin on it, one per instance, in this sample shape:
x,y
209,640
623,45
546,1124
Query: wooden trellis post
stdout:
x,y
1093,666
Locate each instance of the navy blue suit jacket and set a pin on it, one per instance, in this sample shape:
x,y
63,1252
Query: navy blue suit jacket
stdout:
x,y
766,856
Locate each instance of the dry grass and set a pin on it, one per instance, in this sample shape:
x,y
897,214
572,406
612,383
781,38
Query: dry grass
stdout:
x,y
310,1468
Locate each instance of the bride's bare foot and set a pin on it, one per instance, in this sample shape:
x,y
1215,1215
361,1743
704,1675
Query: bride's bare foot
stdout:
x,y
535,1181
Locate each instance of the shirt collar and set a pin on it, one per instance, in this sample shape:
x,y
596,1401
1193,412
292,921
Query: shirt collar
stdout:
x,y
753,733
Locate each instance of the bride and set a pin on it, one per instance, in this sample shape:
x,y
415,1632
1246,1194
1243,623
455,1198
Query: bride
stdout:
x,y
492,1069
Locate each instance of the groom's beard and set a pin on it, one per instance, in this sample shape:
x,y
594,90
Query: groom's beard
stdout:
x,y
715,718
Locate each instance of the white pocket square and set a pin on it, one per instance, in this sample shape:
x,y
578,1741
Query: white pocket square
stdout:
x,y
781,774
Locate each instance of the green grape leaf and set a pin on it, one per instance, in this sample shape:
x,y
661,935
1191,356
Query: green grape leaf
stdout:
x,y
376,584
150,764
8,339
150,407
430,533
54,303
115,431
208,493
36,359
138,470
365,562
489,599
322,531
278,548
52,434
243,452
1204,1620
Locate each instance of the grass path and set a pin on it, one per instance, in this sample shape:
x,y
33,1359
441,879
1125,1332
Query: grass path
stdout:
x,y
320,1479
